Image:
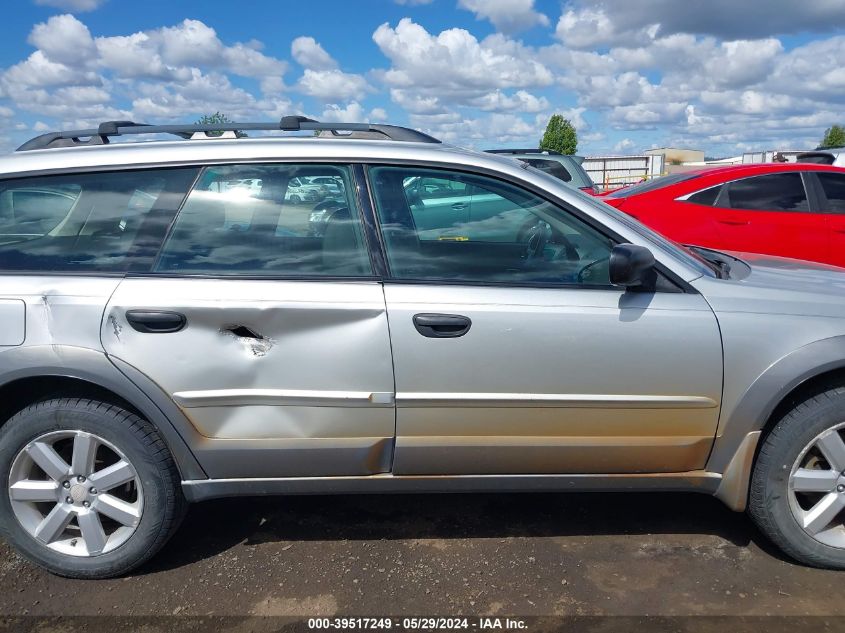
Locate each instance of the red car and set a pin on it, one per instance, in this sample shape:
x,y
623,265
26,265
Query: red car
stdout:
x,y
791,210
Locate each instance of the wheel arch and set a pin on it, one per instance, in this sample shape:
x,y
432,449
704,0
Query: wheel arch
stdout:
x,y
797,376
31,373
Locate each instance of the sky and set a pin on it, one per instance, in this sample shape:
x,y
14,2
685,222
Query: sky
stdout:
x,y
724,76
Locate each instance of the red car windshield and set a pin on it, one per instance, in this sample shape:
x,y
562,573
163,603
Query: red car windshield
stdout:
x,y
652,185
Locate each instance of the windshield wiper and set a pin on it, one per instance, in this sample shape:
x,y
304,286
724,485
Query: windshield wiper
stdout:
x,y
719,265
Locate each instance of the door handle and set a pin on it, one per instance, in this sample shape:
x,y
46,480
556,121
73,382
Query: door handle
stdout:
x,y
156,321
442,325
459,206
735,222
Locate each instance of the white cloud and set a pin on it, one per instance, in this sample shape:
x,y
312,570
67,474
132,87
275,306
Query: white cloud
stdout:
x,y
743,62
309,54
489,130
379,115
588,27
521,100
353,112
508,16
624,146
63,39
332,85
166,73
429,73
725,19
72,5
172,52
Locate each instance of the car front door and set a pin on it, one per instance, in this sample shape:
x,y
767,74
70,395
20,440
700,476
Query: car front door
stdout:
x,y
771,214
514,354
272,341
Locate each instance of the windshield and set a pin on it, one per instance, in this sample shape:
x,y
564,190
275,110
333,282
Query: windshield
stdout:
x,y
651,185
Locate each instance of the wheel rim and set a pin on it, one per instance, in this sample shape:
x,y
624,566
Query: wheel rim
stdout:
x,y
817,488
76,493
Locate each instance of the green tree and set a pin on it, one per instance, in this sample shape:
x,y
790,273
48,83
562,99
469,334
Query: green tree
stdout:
x,y
834,136
560,136
217,118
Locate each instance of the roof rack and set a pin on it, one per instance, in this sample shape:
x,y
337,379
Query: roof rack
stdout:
x,y
533,150
109,129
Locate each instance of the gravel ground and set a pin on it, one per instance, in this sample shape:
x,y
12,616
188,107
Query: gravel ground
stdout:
x,y
530,554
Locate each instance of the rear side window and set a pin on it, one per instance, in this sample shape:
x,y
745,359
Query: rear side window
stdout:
x,y
268,220
103,222
706,197
772,192
834,190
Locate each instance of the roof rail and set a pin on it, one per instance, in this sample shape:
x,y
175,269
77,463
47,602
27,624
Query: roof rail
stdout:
x,y
523,151
109,129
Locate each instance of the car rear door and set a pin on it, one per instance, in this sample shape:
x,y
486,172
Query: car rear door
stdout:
x,y
513,354
272,341
771,214
830,190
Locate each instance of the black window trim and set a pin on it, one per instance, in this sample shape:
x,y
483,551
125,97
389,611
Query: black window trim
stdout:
x,y
672,280
367,209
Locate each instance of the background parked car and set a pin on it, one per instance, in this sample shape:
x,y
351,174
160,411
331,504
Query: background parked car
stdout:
x,y
792,210
830,156
331,187
301,190
562,166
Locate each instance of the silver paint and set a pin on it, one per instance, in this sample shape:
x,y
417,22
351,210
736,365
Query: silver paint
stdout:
x,y
547,379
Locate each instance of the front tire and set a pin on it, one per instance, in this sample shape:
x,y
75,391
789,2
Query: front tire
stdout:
x,y
87,489
797,494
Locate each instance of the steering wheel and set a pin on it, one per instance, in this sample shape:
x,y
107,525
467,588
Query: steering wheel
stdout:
x,y
596,272
535,236
537,233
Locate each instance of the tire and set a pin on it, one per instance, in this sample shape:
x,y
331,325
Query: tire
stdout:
x,y
811,437
295,199
149,486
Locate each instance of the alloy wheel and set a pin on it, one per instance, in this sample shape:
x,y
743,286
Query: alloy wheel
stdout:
x,y
817,488
75,493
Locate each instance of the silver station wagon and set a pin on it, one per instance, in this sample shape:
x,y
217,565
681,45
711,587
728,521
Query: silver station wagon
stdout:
x,y
174,329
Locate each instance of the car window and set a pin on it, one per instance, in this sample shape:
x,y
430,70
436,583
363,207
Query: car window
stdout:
x,y
551,167
772,192
834,190
496,232
252,220
99,222
706,197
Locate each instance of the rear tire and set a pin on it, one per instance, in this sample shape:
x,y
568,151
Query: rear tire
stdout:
x,y
797,494
107,532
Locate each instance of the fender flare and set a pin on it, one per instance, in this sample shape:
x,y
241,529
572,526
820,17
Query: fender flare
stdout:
x,y
740,432
95,367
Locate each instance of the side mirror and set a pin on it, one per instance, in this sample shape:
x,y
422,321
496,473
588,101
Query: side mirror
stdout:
x,y
631,266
